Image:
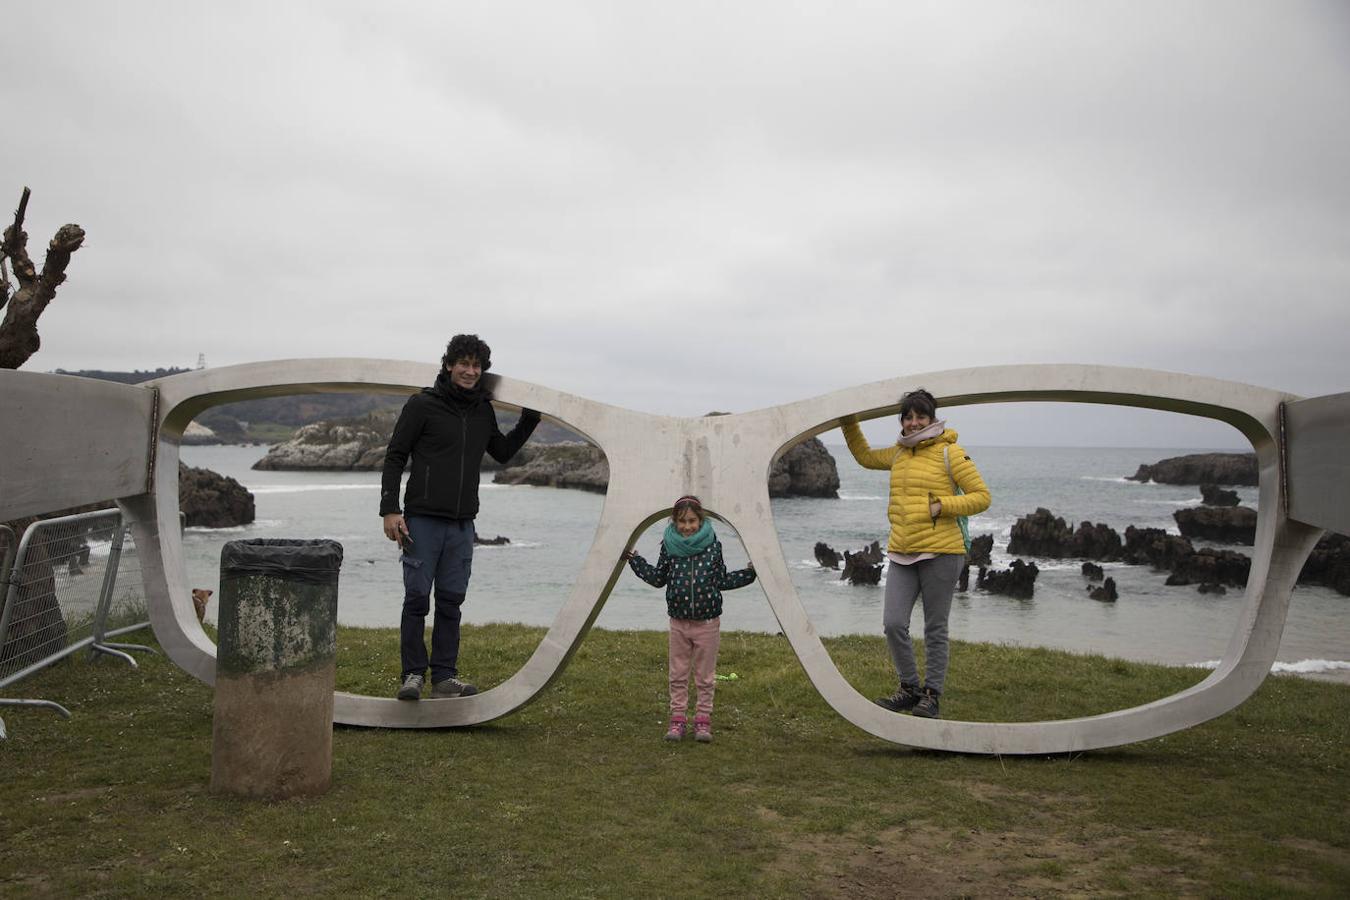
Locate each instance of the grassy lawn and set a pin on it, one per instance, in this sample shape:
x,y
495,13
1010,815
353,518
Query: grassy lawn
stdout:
x,y
577,795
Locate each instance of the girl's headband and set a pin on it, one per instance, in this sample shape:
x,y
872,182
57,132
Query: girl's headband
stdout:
x,y
689,499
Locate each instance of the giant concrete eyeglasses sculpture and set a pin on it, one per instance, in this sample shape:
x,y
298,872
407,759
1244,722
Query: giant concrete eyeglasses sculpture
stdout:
x,y
69,441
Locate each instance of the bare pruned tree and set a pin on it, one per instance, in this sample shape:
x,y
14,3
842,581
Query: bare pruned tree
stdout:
x,y
18,332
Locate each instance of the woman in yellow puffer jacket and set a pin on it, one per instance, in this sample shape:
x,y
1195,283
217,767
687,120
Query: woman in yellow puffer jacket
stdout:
x,y
926,550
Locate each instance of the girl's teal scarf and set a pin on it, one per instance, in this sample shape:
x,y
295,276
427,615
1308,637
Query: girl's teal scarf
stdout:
x,y
679,545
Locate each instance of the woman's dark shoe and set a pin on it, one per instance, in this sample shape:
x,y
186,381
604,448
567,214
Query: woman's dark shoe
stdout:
x,y
927,707
905,698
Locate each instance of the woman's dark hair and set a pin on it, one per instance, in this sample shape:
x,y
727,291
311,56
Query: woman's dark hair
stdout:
x,y
689,501
464,346
919,401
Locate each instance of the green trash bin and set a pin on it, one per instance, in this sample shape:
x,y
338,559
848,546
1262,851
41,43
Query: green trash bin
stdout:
x,y
276,656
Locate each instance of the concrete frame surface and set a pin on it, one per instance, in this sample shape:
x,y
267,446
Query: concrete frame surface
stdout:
x,y
725,460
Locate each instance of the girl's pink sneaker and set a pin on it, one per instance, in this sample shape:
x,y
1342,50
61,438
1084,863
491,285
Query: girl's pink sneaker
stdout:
x,y
703,728
675,732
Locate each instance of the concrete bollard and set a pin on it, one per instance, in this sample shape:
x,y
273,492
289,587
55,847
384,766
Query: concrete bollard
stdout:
x,y
272,733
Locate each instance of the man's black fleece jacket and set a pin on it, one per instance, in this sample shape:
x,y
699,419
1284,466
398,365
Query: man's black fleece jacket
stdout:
x,y
446,430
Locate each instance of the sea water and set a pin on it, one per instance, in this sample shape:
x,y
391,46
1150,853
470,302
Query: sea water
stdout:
x,y
550,531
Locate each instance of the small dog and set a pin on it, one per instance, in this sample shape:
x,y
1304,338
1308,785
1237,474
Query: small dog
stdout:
x,y
199,598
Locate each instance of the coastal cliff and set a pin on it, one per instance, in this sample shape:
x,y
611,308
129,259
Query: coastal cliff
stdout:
x,y
1201,468
355,444
549,459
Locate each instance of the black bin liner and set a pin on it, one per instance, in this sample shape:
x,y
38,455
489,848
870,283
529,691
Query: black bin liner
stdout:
x,y
286,559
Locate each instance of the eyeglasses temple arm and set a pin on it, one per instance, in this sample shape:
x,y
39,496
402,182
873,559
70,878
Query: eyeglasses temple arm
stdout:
x,y
1315,461
66,441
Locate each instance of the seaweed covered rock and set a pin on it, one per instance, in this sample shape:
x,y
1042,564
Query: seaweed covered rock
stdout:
x,y
1329,564
1213,495
1018,580
1106,593
864,566
1042,533
1154,547
981,546
826,555
1210,566
210,500
1220,524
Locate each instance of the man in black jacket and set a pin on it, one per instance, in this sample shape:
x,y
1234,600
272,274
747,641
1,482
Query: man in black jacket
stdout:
x,y
446,428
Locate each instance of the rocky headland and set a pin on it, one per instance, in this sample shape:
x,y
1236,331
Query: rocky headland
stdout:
x,y
572,464
1201,468
342,445
358,443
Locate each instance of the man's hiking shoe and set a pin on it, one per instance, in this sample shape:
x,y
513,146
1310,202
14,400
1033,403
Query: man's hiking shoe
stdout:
x,y
905,698
703,729
452,687
411,689
675,732
927,707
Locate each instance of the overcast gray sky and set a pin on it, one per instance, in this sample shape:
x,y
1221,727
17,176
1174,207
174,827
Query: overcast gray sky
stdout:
x,y
695,206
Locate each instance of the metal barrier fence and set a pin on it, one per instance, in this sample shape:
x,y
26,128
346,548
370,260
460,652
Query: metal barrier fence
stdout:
x,y
61,594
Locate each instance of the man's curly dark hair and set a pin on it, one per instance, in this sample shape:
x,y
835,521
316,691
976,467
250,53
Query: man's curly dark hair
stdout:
x,y
462,346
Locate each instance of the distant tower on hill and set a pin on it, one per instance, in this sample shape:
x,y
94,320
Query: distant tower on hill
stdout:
x,y
201,360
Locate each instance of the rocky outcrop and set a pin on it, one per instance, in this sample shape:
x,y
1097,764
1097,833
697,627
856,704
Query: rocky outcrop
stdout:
x,y
1092,571
1213,495
1018,580
860,567
1106,593
1211,566
864,566
573,464
341,445
211,500
826,555
1329,564
1042,533
1154,547
981,546
1201,468
1220,524
807,470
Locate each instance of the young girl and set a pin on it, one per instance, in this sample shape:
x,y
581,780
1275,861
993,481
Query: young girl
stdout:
x,y
690,568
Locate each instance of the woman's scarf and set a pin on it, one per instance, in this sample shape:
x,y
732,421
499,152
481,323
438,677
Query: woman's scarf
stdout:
x,y
678,545
918,437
